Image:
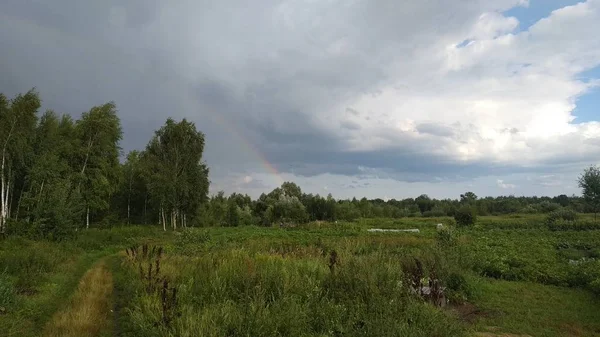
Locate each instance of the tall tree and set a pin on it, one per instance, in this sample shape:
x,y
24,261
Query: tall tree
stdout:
x,y
177,179
99,133
468,197
131,174
18,119
589,182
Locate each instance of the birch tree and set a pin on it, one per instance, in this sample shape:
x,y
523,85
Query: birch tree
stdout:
x,y
131,201
17,124
99,133
177,178
50,205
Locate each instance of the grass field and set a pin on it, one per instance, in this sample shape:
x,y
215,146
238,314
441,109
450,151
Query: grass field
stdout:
x,y
506,276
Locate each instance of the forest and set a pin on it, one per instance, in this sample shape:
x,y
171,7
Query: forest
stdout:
x,y
96,242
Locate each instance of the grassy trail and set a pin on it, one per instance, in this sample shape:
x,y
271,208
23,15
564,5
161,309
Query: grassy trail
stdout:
x,y
89,311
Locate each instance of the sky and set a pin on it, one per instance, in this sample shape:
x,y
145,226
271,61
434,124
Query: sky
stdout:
x,y
383,99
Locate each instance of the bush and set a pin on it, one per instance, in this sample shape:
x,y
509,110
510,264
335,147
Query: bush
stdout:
x,y
446,237
436,212
529,209
458,289
566,214
465,216
547,207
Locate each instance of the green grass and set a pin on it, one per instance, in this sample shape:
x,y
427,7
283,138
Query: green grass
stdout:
x,y
37,278
256,281
236,292
537,310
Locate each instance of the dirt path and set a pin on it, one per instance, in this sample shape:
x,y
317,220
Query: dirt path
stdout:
x,y
89,311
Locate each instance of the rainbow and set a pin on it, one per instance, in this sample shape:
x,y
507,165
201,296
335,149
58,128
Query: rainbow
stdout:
x,y
224,123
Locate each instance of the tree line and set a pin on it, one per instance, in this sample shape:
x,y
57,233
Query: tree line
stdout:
x,y
60,174
288,205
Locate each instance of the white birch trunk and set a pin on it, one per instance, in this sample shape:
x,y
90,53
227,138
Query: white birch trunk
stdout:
x,y
173,219
87,156
129,198
87,218
4,197
8,199
2,192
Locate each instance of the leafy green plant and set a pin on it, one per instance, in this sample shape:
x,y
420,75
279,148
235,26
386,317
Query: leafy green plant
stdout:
x,y
565,214
446,237
7,290
458,289
465,216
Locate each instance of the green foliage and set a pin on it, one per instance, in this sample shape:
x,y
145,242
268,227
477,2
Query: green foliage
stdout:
x,y
236,292
570,225
465,216
589,182
99,133
287,210
458,288
435,212
564,214
468,197
529,209
235,280
176,178
547,206
345,210
446,237
7,291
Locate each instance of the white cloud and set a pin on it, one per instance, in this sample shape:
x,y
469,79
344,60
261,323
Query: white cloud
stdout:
x,y
525,83
504,185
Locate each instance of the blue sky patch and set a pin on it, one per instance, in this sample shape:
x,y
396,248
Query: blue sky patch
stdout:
x,y
588,105
537,10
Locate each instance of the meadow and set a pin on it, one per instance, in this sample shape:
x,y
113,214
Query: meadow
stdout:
x,y
512,275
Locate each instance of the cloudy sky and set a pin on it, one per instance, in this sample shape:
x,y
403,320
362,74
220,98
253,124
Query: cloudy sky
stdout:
x,y
376,98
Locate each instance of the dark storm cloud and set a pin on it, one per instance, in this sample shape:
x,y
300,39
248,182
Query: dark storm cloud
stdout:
x,y
436,129
350,125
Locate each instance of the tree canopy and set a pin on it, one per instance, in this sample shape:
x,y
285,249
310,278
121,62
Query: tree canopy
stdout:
x,y
589,182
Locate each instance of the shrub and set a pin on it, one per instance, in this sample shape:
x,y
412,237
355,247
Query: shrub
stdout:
x,y
547,207
465,216
446,237
435,212
458,290
566,214
529,209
